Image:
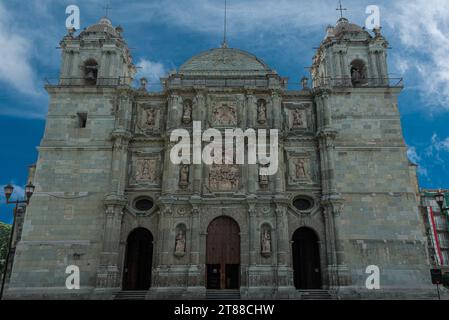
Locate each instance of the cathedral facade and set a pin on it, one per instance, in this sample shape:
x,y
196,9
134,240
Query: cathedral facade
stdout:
x,y
110,201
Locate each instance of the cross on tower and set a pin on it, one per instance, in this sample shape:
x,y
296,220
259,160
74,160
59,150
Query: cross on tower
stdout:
x,y
107,8
341,9
225,42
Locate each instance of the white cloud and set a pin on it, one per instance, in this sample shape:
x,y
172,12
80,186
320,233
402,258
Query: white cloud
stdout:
x,y
151,70
413,155
422,27
15,52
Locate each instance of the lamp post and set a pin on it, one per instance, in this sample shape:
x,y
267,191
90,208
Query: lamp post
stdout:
x,y
9,189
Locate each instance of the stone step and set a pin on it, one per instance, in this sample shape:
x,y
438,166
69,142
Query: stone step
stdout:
x,y
223,294
130,295
316,295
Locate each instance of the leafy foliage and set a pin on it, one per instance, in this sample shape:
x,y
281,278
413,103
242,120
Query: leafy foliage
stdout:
x,y
5,230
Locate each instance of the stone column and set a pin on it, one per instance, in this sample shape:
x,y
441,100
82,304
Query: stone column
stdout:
x,y
253,169
108,273
372,60
199,107
284,264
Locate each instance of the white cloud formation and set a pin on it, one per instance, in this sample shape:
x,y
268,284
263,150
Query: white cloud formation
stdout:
x,y
15,52
151,70
423,29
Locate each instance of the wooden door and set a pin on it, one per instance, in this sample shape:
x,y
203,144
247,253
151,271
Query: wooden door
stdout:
x,y
306,260
223,254
138,260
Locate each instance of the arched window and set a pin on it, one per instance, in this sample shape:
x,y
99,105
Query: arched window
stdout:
x,y
91,72
358,73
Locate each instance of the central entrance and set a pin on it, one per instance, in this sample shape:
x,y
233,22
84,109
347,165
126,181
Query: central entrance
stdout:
x,y
223,254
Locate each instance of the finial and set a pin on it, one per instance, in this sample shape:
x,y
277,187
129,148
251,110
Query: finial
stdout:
x,y
341,9
107,8
225,42
143,84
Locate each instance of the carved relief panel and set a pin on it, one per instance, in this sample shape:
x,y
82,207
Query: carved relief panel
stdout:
x,y
224,111
148,118
299,116
224,178
146,169
302,168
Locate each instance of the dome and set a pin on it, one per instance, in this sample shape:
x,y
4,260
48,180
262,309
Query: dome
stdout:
x,y
343,26
225,61
104,25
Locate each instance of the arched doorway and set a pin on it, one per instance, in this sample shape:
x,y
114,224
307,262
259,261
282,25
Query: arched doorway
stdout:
x,y
223,254
138,260
306,259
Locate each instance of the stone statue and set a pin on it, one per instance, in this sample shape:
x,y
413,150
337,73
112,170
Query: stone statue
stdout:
x,y
150,119
263,180
184,176
266,241
261,111
187,112
305,83
143,84
298,119
180,244
301,172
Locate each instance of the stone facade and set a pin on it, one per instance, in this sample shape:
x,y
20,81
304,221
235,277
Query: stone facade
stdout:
x,y
341,151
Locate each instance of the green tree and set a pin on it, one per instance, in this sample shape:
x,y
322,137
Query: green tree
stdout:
x,y
5,230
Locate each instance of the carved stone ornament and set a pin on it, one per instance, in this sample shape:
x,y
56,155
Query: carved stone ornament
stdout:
x,y
187,112
225,114
224,178
147,170
149,118
261,111
184,172
299,119
300,169
180,242
265,241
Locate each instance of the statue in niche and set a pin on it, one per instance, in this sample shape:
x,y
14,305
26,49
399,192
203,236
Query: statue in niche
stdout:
x,y
263,180
301,169
184,176
150,117
187,112
298,119
180,243
266,241
146,170
261,111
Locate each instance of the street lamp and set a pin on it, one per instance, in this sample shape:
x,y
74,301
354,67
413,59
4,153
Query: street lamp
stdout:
x,y
9,189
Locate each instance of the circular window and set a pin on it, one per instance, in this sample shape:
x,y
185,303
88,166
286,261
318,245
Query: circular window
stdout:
x,y
143,204
303,204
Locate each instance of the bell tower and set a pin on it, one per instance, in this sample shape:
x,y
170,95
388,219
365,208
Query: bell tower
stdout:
x,y
350,56
98,56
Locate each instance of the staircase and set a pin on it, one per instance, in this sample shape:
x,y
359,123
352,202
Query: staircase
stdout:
x,y
316,295
130,295
223,294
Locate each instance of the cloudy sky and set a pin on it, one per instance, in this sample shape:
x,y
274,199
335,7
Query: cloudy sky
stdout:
x,y
283,33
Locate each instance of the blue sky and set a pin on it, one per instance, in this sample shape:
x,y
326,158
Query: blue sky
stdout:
x,y
283,33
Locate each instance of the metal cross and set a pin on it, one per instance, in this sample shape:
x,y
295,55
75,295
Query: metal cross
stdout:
x,y
341,9
107,8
